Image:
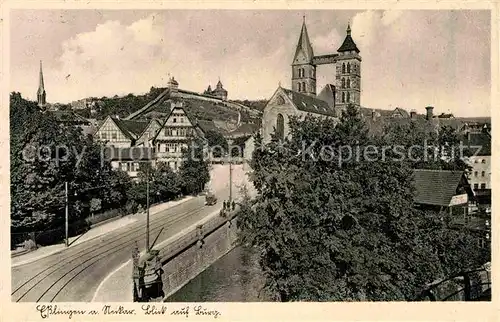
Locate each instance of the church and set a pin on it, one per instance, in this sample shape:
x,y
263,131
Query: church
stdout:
x,y
302,98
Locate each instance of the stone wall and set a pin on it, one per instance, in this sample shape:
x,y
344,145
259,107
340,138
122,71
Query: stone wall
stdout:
x,y
187,265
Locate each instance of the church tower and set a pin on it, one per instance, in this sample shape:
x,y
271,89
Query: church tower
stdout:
x,y
41,89
348,73
303,69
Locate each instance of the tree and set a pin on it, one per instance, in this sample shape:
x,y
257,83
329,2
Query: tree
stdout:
x,y
333,225
45,155
194,171
217,143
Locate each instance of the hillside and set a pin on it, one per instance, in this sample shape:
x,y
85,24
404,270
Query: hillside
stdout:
x,y
200,107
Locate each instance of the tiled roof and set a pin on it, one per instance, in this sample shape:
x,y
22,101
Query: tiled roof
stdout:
x,y
128,154
304,45
245,129
131,129
327,94
436,187
402,112
482,140
207,125
309,104
348,45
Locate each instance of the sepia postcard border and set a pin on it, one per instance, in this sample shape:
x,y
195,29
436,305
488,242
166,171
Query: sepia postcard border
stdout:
x,y
252,311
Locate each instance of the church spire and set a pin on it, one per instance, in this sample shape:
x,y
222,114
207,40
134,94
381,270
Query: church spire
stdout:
x,y
41,88
348,44
304,45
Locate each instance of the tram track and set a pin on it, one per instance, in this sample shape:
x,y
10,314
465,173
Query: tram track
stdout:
x,y
50,282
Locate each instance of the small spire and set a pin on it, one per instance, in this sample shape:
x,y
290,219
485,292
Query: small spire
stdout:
x,y
303,18
279,84
348,28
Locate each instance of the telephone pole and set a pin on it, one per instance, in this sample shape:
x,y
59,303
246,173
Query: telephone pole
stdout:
x,y
66,189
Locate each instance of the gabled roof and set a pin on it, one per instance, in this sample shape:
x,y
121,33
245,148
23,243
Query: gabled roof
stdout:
x,y
304,45
131,129
348,43
481,141
327,94
436,187
401,112
306,103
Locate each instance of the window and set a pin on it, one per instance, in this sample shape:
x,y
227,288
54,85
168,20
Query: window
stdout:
x,y
136,166
348,68
343,68
343,97
476,186
348,83
475,173
174,120
304,87
348,97
113,135
475,161
124,166
300,87
343,82
280,127
103,135
483,161
482,174
303,72
483,185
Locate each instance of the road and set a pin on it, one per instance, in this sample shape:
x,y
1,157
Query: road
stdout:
x,y
74,274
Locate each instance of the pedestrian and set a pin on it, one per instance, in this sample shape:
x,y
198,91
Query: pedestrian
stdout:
x,y
234,205
224,206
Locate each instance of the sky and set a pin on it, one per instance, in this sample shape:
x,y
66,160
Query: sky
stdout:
x,y
410,59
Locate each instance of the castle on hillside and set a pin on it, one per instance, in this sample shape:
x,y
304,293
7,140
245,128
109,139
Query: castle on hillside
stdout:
x,y
218,92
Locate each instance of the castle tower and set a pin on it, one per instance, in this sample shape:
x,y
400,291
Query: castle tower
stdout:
x,y
41,89
348,73
303,69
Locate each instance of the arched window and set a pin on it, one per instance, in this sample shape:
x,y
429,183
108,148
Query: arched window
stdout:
x,y
299,86
300,72
343,97
280,127
348,68
348,97
343,82
343,68
348,83
304,87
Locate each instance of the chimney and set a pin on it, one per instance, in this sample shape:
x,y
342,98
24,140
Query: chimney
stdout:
x,y
413,113
430,110
374,115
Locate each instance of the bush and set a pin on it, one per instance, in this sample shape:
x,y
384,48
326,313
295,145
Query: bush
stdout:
x,y
29,245
104,216
131,207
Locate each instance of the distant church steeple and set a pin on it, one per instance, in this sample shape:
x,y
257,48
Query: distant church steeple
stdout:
x,y
41,94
